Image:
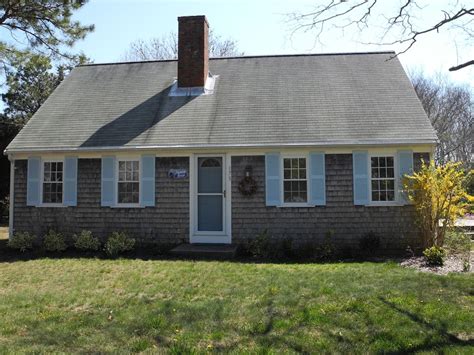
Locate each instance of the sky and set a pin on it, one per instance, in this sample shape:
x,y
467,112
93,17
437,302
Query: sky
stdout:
x,y
261,27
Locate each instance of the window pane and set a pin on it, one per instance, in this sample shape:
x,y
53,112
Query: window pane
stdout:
x,y
287,163
59,176
390,161
302,173
383,172
374,162
287,186
375,185
294,173
302,163
287,174
287,196
375,172
375,196
302,186
390,184
382,162
383,195
135,165
390,172
390,196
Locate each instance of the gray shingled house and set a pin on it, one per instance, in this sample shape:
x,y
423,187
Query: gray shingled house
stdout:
x,y
199,150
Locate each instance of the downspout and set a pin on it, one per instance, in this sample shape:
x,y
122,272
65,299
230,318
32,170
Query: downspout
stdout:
x,y
12,196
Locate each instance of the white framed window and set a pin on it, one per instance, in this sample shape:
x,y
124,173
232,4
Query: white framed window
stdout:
x,y
382,178
128,182
295,180
52,182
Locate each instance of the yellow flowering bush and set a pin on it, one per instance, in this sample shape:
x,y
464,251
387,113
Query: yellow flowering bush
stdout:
x,y
439,197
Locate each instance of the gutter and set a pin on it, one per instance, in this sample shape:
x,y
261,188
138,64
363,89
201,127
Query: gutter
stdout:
x,y
341,143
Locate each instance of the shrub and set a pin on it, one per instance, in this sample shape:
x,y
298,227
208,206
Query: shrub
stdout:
x,y
457,242
54,241
434,256
86,241
117,243
440,197
326,250
259,246
21,241
369,243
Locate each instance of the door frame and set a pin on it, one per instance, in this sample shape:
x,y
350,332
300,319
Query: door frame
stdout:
x,y
196,236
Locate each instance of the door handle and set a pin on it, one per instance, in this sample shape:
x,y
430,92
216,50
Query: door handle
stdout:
x,y
223,193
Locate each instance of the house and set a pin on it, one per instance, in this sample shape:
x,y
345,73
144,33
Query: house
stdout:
x,y
200,150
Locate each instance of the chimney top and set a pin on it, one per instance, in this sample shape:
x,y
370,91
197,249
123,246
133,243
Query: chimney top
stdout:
x,y
193,51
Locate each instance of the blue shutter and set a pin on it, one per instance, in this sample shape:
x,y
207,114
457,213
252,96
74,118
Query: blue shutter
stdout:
x,y
405,167
317,179
360,161
147,180
108,181
70,181
273,179
34,181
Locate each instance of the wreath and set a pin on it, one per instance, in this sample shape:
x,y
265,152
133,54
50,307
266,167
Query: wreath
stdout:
x,y
247,186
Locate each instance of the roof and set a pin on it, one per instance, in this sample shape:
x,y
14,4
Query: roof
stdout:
x,y
330,99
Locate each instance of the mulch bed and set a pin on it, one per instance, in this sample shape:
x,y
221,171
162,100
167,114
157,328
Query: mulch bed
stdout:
x,y
452,263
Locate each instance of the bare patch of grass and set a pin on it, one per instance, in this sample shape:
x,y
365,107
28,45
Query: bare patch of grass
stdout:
x,y
3,232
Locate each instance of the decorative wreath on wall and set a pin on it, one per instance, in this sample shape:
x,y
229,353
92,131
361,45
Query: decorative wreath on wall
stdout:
x,y
247,186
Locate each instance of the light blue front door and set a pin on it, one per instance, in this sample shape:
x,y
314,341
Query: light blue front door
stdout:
x,y
210,194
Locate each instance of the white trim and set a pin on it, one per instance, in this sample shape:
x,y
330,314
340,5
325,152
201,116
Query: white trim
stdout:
x,y
396,201
47,204
219,237
357,144
237,151
12,198
284,156
127,205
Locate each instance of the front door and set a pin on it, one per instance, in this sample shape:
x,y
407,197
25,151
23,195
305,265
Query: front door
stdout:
x,y
210,200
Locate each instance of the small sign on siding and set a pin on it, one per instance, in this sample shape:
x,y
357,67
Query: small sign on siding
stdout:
x,y
178,174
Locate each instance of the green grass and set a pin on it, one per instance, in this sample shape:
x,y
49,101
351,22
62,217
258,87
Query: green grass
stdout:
x,y
91,305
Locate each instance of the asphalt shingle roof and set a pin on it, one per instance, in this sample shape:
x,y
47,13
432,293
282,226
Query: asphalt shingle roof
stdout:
x,y
358,98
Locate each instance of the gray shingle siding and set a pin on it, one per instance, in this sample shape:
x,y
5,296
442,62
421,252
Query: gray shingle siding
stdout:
x,y
168,222
394,224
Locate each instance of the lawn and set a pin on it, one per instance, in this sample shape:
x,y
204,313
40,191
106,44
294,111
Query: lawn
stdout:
x,y
93,305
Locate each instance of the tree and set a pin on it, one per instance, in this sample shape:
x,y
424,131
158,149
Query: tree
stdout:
x,y
166,47
404,23
450,108
40,26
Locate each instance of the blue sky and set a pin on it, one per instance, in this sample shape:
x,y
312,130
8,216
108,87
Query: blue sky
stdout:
x,y
259,27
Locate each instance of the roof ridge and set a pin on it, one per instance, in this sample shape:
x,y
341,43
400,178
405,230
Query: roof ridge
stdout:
x,y
243,57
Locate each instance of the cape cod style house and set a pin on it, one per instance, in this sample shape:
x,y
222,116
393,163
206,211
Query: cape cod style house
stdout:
x,y
199,150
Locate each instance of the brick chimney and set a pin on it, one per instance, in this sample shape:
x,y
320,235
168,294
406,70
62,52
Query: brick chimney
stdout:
x,y
193,51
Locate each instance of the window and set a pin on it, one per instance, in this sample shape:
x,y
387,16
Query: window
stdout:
x,y
129,181
294,180
53,182
382,179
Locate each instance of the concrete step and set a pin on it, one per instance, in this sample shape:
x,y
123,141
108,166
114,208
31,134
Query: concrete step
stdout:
x,y
212,251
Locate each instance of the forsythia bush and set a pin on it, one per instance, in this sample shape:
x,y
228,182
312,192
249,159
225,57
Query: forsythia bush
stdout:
x,y
439,197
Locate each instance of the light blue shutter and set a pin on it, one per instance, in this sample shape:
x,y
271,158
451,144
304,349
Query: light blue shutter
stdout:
x,y
405,166
108,181
70,181
272,179
147,180
34,181
317,179
360,161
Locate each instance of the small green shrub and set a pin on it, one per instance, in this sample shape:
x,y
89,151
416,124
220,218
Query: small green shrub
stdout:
x,y
369,243
326,250
54,241
457,242
434,256
21,241
259,246
86,241
117,243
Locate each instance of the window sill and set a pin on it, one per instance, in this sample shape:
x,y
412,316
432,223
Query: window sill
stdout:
x,y
385,204
127,206
55,205
296,205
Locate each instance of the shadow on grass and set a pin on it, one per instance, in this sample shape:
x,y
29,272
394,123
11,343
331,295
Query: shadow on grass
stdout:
x,y
430,343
